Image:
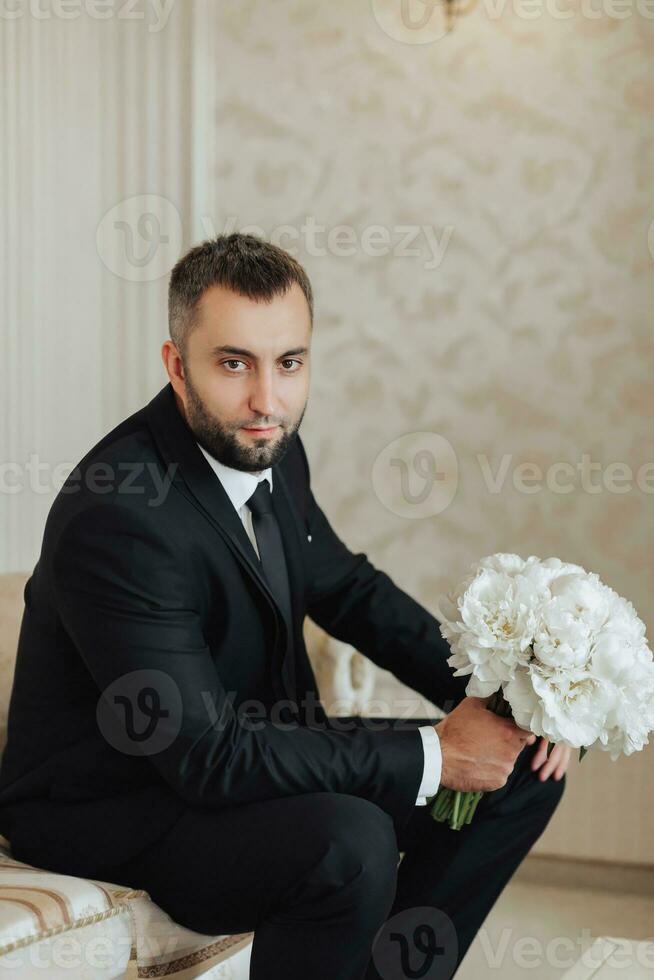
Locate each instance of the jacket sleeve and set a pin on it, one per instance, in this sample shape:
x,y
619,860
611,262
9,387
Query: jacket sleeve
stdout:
x,y
123,596
361,605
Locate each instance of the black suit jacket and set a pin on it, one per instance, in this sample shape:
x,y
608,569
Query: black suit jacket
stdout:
x,y
150,668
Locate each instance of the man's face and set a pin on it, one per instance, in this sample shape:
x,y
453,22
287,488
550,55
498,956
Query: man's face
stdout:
x,y
246,368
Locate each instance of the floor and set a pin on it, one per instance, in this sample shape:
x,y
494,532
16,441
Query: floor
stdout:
x,y
541,930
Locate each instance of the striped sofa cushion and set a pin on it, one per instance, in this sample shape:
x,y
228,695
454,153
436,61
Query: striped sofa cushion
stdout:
x,y
37,905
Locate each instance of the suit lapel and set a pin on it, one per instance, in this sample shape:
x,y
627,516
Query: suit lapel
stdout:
x,y
194,477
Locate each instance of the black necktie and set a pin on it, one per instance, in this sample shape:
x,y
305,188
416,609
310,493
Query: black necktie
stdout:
x,y
273,561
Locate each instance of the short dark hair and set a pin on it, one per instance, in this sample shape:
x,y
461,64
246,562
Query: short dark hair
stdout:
x,y
246,264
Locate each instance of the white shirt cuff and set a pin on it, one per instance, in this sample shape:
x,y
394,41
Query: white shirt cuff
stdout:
x,y
431,774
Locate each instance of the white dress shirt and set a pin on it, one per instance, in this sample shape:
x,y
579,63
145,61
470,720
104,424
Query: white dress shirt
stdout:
x,y
239,486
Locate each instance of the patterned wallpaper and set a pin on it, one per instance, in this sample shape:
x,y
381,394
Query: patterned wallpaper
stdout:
x,y
512,159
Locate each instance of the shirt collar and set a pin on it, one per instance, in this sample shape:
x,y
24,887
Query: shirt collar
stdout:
x,y
239,485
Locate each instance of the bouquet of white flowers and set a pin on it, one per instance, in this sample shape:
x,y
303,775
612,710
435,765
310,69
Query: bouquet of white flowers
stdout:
x,y
560,652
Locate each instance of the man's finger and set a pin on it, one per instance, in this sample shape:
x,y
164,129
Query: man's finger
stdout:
x,y
557,758
563,765
546,771
523,733
540,755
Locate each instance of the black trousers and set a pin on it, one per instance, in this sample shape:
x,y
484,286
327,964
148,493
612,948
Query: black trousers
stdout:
x,y
316,877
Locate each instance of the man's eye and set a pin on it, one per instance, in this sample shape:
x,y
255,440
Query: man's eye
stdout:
x,y
286,361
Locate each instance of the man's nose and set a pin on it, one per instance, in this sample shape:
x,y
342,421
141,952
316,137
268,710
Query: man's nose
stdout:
x,y
263,399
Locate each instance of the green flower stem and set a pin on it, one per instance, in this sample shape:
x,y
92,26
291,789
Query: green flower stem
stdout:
x,y
448,797
457,806
473,806
442,805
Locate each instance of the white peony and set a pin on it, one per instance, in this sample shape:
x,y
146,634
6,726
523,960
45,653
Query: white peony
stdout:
x,y
497,615
569,621
505,562
545,571
568,706
567,652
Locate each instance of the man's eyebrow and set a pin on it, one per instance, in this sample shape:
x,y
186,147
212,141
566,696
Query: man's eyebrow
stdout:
x,y
228,349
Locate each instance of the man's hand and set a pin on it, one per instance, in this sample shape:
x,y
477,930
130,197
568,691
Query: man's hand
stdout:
x,y
557,762
478,747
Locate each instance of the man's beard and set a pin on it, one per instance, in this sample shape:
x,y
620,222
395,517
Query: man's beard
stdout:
x,y
223,445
